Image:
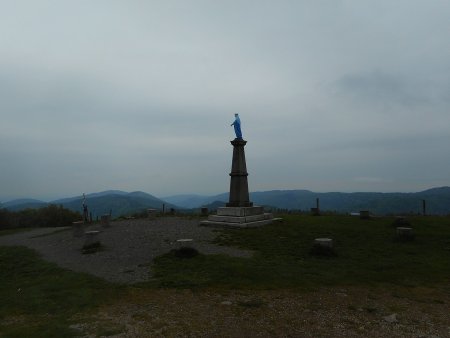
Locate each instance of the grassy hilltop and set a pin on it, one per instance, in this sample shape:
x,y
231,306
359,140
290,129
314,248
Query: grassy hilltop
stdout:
x,y
40,299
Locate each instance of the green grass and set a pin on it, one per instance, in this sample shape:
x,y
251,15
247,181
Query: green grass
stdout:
x,y
44,294
367,254
12,231
39,299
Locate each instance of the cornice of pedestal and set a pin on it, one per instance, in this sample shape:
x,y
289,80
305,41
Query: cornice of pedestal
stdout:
x,y
238,142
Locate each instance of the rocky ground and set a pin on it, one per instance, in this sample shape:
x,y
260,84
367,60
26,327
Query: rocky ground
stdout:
x,y
325,312
129,247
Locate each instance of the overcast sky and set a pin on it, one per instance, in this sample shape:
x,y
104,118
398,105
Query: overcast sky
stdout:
x,y
139,95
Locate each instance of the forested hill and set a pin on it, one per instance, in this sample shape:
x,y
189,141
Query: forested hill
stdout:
x,y
122,203
118,202
437,201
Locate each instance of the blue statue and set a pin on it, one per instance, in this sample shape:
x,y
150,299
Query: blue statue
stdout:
x,y
237,126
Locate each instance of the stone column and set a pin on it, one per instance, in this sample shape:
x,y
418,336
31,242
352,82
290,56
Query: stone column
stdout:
x,y
239,196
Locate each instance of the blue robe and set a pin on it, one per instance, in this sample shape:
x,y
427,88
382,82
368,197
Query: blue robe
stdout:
x,y
237,127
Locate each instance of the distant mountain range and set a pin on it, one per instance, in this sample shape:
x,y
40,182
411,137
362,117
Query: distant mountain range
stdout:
x,y
124,203
437,201
119,203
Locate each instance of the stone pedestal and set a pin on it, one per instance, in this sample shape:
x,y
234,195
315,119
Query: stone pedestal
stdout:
x,y
242,217
239,211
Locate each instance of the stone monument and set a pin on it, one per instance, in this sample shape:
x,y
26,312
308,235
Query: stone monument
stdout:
x,y
239,211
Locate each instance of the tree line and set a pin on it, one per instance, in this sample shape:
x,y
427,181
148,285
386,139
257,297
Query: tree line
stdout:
x,y
49,216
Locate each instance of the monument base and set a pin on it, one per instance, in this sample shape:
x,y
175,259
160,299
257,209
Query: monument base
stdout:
x,y
241,217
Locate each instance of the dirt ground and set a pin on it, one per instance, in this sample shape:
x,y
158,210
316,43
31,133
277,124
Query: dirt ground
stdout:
x,y
326,312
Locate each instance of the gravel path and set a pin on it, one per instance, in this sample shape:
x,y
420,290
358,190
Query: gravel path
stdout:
x,y
129,246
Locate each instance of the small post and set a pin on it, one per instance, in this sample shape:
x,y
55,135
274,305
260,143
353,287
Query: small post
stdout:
x,y
314,211
405,234
323,247
164,209
183,242
91,241
324,242
105,221
204,211
78,228
151,213
364,214
424,207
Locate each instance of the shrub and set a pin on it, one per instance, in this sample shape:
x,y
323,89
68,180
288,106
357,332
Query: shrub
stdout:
x,y
50,216
186,252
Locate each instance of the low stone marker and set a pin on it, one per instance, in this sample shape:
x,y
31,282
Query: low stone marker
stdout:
x,y
183,250
151,213
91,241
183,242
364,214
104,220
324,242
315,212
401,221
323,247
78,228
405,234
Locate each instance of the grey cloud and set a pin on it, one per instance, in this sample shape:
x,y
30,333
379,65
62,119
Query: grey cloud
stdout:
x,y
140,95
378,87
